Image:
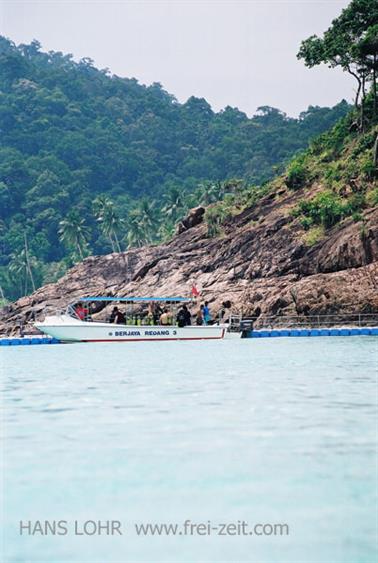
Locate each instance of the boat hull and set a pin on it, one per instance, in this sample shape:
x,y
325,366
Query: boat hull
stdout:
x,y
67,329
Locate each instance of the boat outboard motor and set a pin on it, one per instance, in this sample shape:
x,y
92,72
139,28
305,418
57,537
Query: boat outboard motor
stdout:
x,y
246,327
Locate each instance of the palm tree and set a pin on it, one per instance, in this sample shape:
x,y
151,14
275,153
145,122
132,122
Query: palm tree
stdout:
x,y
147,218
110,221
20,268
166,231
135,234
28,260
142,224
209,192
175,205
74,232
99,204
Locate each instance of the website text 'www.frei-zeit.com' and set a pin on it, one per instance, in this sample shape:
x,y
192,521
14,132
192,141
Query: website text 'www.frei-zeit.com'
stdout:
x,y
188,528
146,529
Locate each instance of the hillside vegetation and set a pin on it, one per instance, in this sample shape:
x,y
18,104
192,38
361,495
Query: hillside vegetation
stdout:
x,y
332,181
304,244
92,163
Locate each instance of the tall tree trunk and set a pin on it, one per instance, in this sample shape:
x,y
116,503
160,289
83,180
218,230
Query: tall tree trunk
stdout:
x,y
28,261
375,153
356,99
362,125
375,84
117,241
111,241
127,268
26,280
125,262
80,251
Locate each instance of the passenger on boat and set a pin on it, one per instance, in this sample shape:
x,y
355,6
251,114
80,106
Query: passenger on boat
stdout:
x,y
222,313
199,317
113,315
166,317
157,312
184,317
80,311
188,316
206,313
149,318
120,318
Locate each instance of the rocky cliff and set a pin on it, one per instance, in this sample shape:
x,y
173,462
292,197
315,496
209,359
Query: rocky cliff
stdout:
x,y
261,262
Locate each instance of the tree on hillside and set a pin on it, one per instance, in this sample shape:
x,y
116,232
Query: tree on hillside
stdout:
x,y
135,233
110,222
368,51
166,232
21,268
142,223
351,43
74,233
174,204
211,192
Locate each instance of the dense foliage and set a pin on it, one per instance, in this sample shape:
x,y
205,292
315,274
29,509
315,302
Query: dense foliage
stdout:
x,y
351,43
342,162
92,163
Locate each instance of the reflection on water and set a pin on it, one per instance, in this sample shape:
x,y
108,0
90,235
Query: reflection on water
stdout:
x,y
279,430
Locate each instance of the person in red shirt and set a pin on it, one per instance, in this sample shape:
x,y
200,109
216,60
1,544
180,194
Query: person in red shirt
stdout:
x,y
80,312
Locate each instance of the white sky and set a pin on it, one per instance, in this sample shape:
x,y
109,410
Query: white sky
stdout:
x,y
232,52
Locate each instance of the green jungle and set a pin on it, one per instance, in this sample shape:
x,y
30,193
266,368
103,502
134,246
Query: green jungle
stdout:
x,y
93,163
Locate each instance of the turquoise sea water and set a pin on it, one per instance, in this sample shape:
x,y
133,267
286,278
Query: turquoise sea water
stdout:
x,y
262,431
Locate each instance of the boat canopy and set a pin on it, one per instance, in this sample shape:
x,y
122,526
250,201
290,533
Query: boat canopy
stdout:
x,y
136,299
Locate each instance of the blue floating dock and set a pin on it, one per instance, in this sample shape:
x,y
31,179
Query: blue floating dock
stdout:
x,y
28,341
263,333
300,332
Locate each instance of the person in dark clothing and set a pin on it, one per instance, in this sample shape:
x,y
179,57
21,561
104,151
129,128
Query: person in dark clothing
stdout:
x,y
183,317
113,315
120,318
158,311
225,305
188,316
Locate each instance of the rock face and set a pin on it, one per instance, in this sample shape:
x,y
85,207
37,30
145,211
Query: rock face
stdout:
x,y
260,263
194,218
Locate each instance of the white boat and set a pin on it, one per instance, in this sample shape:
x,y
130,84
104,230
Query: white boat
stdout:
x,y
68,327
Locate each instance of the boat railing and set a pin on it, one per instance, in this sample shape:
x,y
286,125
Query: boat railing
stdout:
x,y
234,323
315,321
